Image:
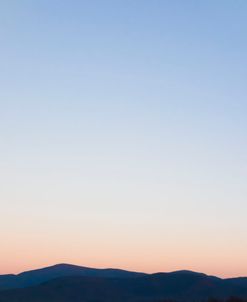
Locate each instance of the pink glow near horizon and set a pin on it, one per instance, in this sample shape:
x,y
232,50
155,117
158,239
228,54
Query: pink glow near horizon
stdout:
x,y
140,260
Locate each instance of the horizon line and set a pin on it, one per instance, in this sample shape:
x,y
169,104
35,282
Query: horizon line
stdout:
x,y
122,269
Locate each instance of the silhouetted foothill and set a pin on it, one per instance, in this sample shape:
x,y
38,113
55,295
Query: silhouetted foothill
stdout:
x,y
66,283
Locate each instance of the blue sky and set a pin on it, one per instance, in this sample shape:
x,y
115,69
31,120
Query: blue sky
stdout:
x,y
124,121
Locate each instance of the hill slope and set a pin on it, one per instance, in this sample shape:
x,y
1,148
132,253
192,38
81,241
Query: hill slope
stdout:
x,y
39,276
182,286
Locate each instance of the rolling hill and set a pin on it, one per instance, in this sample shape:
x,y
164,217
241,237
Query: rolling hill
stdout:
x,y
111,285
35,277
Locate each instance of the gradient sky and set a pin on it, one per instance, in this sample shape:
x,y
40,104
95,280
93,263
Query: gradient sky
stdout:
x,y
123,134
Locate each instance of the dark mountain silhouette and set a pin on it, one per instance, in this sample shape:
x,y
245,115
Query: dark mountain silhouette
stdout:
x,y
35,277
238,281
178,286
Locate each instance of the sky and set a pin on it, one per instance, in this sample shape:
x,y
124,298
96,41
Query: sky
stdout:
x,y
123,134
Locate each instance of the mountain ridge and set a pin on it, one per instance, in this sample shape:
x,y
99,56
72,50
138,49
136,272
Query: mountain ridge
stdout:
x,y
66,282
40,275
149,288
